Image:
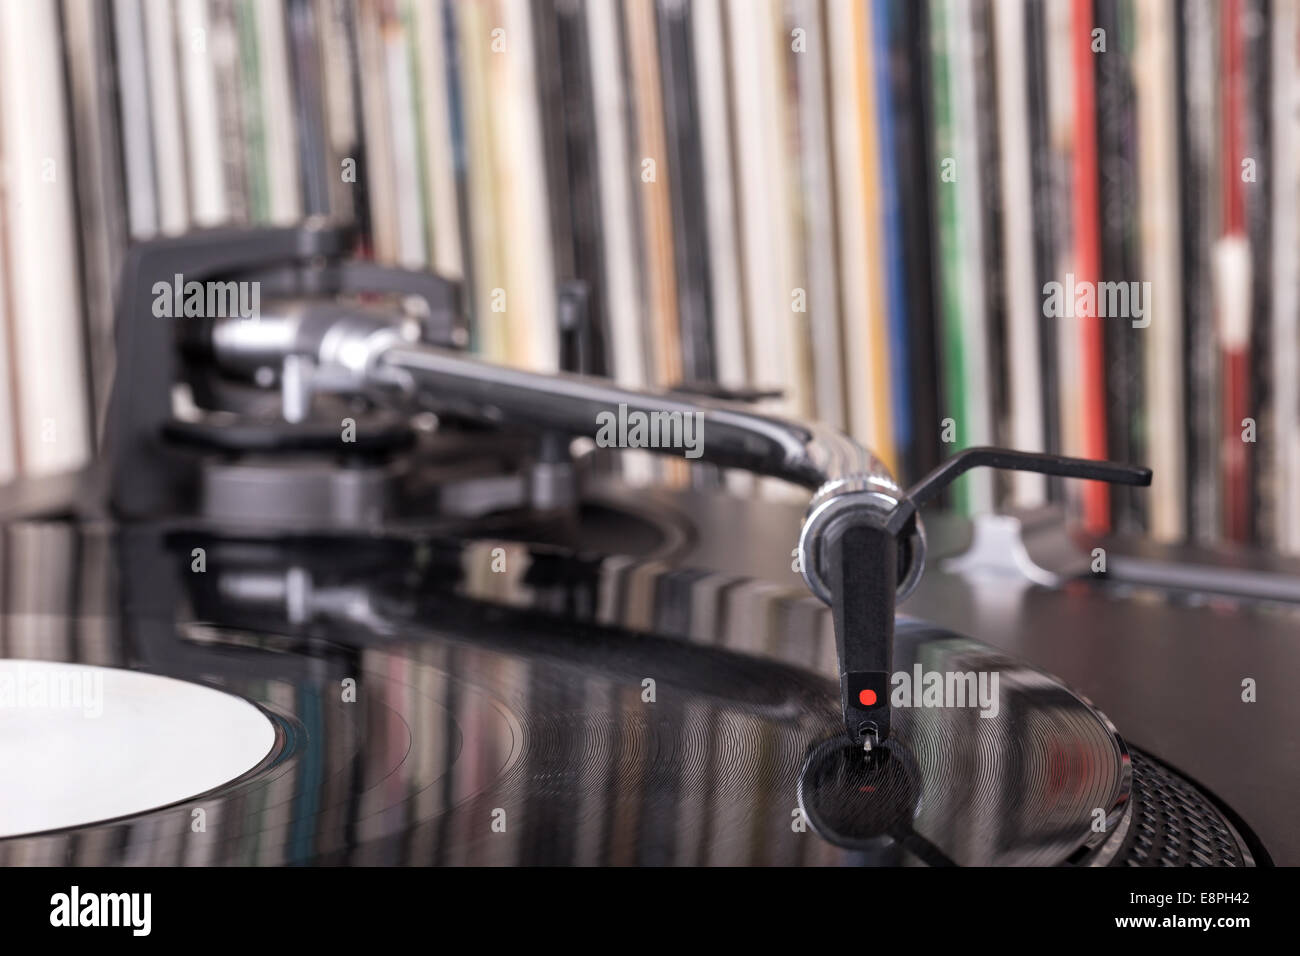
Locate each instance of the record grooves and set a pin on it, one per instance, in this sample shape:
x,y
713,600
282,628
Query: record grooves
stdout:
x,y
419,718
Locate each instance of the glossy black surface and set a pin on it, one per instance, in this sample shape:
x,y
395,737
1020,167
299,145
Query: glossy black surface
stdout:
x,y
1166,668
518,697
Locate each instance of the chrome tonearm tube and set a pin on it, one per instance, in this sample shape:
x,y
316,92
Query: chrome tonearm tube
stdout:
x,y
327,346
862,544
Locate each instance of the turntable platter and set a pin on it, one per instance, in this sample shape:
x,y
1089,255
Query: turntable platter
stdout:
x,y
412,714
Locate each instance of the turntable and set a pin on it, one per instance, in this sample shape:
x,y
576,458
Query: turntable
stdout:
x,y
341,593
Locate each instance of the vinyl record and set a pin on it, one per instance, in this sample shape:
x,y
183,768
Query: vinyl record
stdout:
x,y
406,715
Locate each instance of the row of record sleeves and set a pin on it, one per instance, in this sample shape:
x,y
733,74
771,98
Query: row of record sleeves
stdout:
x,y
1049,224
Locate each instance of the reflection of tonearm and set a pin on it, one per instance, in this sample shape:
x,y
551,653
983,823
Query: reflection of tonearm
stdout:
x,y
330,600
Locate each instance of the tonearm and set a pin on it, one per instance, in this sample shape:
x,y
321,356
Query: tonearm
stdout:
x,y
862,541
